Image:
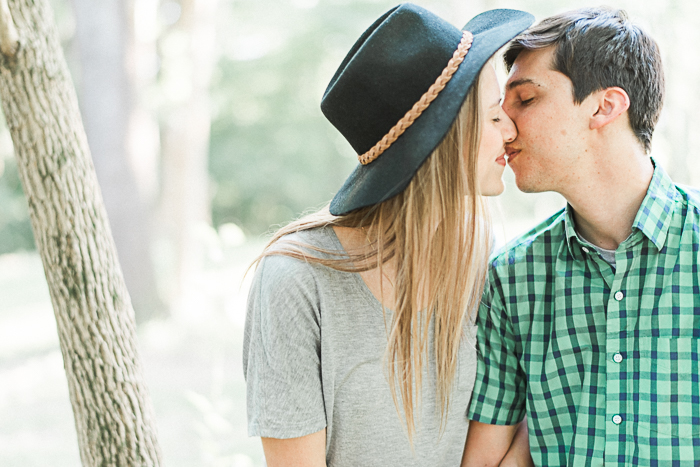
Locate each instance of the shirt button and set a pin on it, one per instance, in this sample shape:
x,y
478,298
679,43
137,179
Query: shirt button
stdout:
x,y
619,295
617,419
617,358
586,250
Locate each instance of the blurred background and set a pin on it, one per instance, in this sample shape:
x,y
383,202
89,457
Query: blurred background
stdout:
x,y
204,124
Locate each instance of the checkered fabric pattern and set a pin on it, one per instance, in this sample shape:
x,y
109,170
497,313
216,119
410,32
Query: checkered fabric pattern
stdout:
x,y
604,361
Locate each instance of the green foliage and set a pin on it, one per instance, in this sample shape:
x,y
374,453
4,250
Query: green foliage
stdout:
x,y
273,154
15,229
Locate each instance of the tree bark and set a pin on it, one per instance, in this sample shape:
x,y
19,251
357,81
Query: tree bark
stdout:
x,y
95,320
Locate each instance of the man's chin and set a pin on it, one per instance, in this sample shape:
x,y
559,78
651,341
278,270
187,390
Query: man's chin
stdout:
x,y
528,186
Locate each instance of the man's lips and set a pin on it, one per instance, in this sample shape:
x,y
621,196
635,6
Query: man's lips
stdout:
x,y
512,153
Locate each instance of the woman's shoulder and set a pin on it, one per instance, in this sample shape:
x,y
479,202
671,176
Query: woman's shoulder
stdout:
x,y
314,243
321,237
276,264
283,279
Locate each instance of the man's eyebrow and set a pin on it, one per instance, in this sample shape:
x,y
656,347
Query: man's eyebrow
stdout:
x,y
519,82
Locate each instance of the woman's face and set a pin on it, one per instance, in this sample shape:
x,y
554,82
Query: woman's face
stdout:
x,y
497,129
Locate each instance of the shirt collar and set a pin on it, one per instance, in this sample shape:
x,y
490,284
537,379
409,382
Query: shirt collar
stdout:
x,y
571,237
653,218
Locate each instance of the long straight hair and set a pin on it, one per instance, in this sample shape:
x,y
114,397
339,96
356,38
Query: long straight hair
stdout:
x,y
438,229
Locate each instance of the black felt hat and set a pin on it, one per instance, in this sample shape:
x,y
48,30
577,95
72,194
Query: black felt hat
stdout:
x,y
386,72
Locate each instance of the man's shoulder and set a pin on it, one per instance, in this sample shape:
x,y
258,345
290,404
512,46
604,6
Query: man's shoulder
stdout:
x,y
542,239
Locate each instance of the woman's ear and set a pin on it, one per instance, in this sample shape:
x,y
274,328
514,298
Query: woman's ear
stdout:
x,y
611,103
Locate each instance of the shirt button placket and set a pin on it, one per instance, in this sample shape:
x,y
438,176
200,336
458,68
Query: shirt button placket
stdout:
x,y
615,407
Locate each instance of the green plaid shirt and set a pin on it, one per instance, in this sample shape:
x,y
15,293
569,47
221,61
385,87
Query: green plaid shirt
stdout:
x,y
605,361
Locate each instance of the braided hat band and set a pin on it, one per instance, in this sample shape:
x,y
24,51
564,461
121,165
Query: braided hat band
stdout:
x,y
422,104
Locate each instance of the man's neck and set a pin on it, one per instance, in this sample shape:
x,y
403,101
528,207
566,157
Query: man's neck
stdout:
x,y
607,196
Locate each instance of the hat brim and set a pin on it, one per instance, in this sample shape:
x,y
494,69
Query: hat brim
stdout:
x,y
390,173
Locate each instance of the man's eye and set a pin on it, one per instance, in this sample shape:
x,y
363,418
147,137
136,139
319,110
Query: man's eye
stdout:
x,y
526,101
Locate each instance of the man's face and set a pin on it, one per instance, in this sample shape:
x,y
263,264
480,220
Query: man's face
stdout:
x,y
552,129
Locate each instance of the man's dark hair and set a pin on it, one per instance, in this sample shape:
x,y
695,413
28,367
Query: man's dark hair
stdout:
x,y
598,48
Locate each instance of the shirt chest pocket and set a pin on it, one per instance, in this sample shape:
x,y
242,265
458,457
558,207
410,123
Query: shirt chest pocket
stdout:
x,y
668,387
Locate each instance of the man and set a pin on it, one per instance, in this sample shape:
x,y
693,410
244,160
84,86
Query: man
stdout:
x,y
590,323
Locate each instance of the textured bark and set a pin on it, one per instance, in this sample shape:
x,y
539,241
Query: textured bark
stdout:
x,y
94,316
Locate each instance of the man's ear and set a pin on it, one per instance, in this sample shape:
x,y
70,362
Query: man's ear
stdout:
x,y
611,102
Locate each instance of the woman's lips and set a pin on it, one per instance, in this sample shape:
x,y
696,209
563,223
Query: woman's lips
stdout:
x,y
501,160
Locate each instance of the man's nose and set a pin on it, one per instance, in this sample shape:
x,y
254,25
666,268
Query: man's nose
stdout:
x,y
509,131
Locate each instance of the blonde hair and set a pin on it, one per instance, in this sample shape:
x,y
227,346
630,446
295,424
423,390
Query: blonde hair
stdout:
x,y
440,224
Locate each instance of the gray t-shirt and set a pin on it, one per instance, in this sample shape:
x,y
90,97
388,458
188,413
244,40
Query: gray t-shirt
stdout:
x,y
313,357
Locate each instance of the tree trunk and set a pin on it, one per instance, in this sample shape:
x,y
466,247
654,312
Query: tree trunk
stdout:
x,y
116,62
188,59
94,316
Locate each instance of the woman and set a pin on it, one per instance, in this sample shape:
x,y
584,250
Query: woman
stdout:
x,y
354,351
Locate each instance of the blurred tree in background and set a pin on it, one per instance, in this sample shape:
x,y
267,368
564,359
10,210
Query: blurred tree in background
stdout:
x,y
116,52
187,50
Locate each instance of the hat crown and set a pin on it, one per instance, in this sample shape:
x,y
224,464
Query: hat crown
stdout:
x,y
386,72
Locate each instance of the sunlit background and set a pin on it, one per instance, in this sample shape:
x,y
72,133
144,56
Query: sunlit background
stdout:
x,y
204,124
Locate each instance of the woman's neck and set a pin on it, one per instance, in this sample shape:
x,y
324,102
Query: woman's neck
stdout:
x,y
380,283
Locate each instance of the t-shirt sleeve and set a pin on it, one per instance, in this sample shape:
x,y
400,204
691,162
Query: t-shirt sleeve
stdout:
x,y
281,351
500,387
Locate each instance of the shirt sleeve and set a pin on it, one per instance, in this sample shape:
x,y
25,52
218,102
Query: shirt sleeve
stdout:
x,y
500,387
281,351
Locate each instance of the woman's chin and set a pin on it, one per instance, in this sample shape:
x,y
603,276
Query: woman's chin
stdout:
x,y
493,189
